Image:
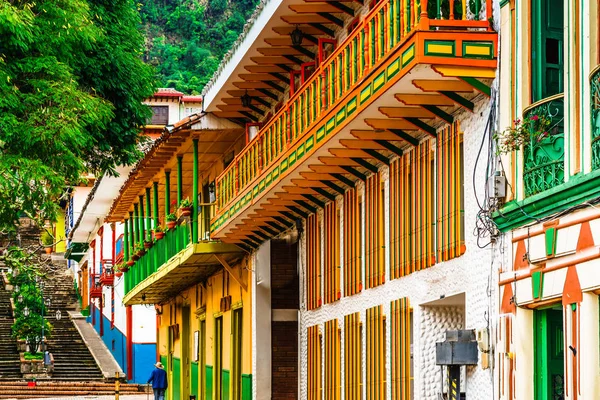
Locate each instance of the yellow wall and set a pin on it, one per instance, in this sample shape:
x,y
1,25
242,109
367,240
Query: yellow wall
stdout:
x,y
204,300
59,233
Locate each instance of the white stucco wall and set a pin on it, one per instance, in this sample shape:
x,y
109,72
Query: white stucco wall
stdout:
x,y
472,274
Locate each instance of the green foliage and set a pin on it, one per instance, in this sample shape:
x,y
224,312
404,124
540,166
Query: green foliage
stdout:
x,y
186,40
26,272
47,239
71,86
36,356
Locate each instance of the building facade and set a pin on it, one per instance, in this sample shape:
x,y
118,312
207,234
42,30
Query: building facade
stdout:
x,y
96,254
548,330
369,122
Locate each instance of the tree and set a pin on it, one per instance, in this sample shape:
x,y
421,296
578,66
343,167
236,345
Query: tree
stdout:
x,y
71,90
26,271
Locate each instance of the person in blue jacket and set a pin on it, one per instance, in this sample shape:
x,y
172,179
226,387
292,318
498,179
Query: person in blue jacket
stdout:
x,y
159,381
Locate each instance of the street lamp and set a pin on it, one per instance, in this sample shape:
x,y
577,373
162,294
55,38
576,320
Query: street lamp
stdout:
x,y
20,299
26,311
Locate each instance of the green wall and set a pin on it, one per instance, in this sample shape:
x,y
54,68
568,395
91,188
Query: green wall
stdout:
x,y
209,382
246,386
195,378
176,384
225,384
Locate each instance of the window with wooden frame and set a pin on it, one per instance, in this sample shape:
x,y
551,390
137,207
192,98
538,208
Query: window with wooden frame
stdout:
x,y
160,115
332,384
331,225
314,363
411,211
375,353
547,48
313,262
450,194
353,357
374,228
401,340
352,244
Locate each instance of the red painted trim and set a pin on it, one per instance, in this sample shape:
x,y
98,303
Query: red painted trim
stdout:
x,y
101,308
156,342
128,342
114,243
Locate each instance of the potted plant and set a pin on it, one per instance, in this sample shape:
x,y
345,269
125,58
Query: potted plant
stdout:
x,y
129,264
171,221
159,232
533,128
148,244
119,269
185,207
140,250
48,242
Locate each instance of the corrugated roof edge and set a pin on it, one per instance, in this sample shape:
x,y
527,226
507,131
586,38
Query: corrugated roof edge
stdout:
x,y
259,8
167,132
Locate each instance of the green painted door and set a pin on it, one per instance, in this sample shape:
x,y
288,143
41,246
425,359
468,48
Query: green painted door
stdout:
x,y
218,364
547,44
549,355
185,353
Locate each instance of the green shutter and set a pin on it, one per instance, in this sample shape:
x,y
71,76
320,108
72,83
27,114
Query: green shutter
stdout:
x,y
547,45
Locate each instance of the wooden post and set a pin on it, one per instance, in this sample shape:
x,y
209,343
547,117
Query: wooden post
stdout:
x,y
179,179
167,193
195,193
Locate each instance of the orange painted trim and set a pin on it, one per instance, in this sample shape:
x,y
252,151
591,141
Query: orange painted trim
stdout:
x,y
555,267
540,230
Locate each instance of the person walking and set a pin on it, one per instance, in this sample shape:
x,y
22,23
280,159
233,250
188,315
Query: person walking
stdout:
x,y
158,377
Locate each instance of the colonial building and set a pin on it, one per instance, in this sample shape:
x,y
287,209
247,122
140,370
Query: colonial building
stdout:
x,y
199,289
96,253
364,122
548,329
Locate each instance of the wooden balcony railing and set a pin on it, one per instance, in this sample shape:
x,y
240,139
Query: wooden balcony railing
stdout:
x,y
383,30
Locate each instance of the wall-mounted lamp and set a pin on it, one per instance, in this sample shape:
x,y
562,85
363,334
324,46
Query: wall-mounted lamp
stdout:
x,y
159,309
297,36
246,100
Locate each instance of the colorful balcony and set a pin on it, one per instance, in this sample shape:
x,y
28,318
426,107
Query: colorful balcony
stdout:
x,y
398,77
173,263
595,104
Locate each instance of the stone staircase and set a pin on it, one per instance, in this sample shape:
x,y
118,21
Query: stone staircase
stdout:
x,y
9,353
21,390
72,359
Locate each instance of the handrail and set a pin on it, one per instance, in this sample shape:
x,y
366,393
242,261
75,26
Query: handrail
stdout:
x,y
381,31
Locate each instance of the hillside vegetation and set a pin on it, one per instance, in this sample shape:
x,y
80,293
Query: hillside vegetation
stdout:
x,y
186,39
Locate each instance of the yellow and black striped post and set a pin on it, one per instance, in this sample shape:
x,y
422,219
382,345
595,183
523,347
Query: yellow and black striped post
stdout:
x,y
117,385
454,382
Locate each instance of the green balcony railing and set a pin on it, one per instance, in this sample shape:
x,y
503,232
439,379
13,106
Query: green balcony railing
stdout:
x,y
543,156
174,241
595,109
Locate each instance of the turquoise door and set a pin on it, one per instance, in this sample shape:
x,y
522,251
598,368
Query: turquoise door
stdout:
x,y
549,355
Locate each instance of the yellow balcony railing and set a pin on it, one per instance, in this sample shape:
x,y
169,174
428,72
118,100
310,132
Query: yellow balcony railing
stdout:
x,y
381,32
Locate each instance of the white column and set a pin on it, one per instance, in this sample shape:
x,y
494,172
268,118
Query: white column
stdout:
x,y
523,344
589,348
261,315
